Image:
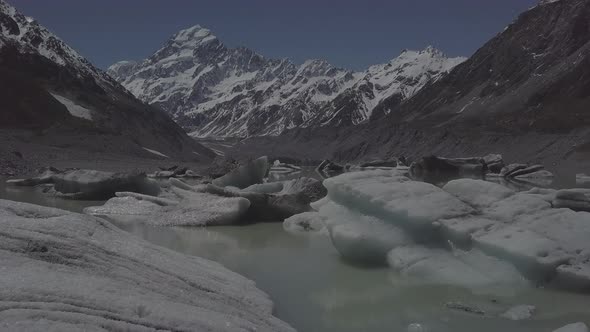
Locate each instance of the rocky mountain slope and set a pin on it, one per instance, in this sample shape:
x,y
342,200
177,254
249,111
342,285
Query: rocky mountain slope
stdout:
x,y
213,90
535,75
47,87
525,93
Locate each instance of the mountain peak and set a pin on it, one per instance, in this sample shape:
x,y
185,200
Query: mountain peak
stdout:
x,y
195,33
432,50
429,50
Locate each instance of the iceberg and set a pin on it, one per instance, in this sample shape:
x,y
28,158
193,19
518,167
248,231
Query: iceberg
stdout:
x,y
90,184
304,222
372,215
472,269
361,238
244,176
191,209
394,198
575,327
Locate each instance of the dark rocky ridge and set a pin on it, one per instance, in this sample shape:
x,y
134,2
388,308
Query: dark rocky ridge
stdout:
x,y
34,64
535,75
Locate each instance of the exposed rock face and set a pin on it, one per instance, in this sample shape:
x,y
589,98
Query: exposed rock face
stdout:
x,y
69,271
213,90
531,76
48,87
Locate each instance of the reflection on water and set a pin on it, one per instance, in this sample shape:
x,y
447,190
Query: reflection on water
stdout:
x,y
314,290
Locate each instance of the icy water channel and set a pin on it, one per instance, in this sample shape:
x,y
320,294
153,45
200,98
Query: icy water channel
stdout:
x,y
314,290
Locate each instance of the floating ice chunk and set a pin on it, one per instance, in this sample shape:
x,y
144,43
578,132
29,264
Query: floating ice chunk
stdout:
x,y
461,229
575,274
582,179
576,327
317,205
65,271
295,197
265,188
193,209
575,199
392,197
524,248
124,206
199,209
507,210
416,327
244,176
469,269
304,222
519,312
91,184
361,238
537,174
477,193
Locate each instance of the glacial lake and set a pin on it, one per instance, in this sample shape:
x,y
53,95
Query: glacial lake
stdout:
x,y
315,290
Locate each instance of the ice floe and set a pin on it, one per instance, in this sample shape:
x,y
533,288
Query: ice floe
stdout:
x,y
304,222
90,184
244,176
503,235
575,327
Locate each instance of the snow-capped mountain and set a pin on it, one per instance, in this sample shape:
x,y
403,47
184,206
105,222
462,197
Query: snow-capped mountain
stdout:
x,y
29,37
213,90
46,85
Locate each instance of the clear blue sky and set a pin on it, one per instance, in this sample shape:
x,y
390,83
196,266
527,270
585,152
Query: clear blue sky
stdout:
x,y
348,33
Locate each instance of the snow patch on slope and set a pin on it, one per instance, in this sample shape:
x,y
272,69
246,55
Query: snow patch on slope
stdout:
x,y
74,109
157,153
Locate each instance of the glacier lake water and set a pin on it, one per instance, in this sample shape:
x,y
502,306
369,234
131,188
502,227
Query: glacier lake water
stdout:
x,y
315,290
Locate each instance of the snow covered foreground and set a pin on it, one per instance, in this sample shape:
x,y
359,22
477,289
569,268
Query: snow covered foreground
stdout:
x,y
470,232
63,271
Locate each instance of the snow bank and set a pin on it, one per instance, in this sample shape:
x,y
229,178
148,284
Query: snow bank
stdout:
x,y
66,271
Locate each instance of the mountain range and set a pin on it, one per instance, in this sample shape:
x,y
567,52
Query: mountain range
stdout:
x,y
213,90
525,93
